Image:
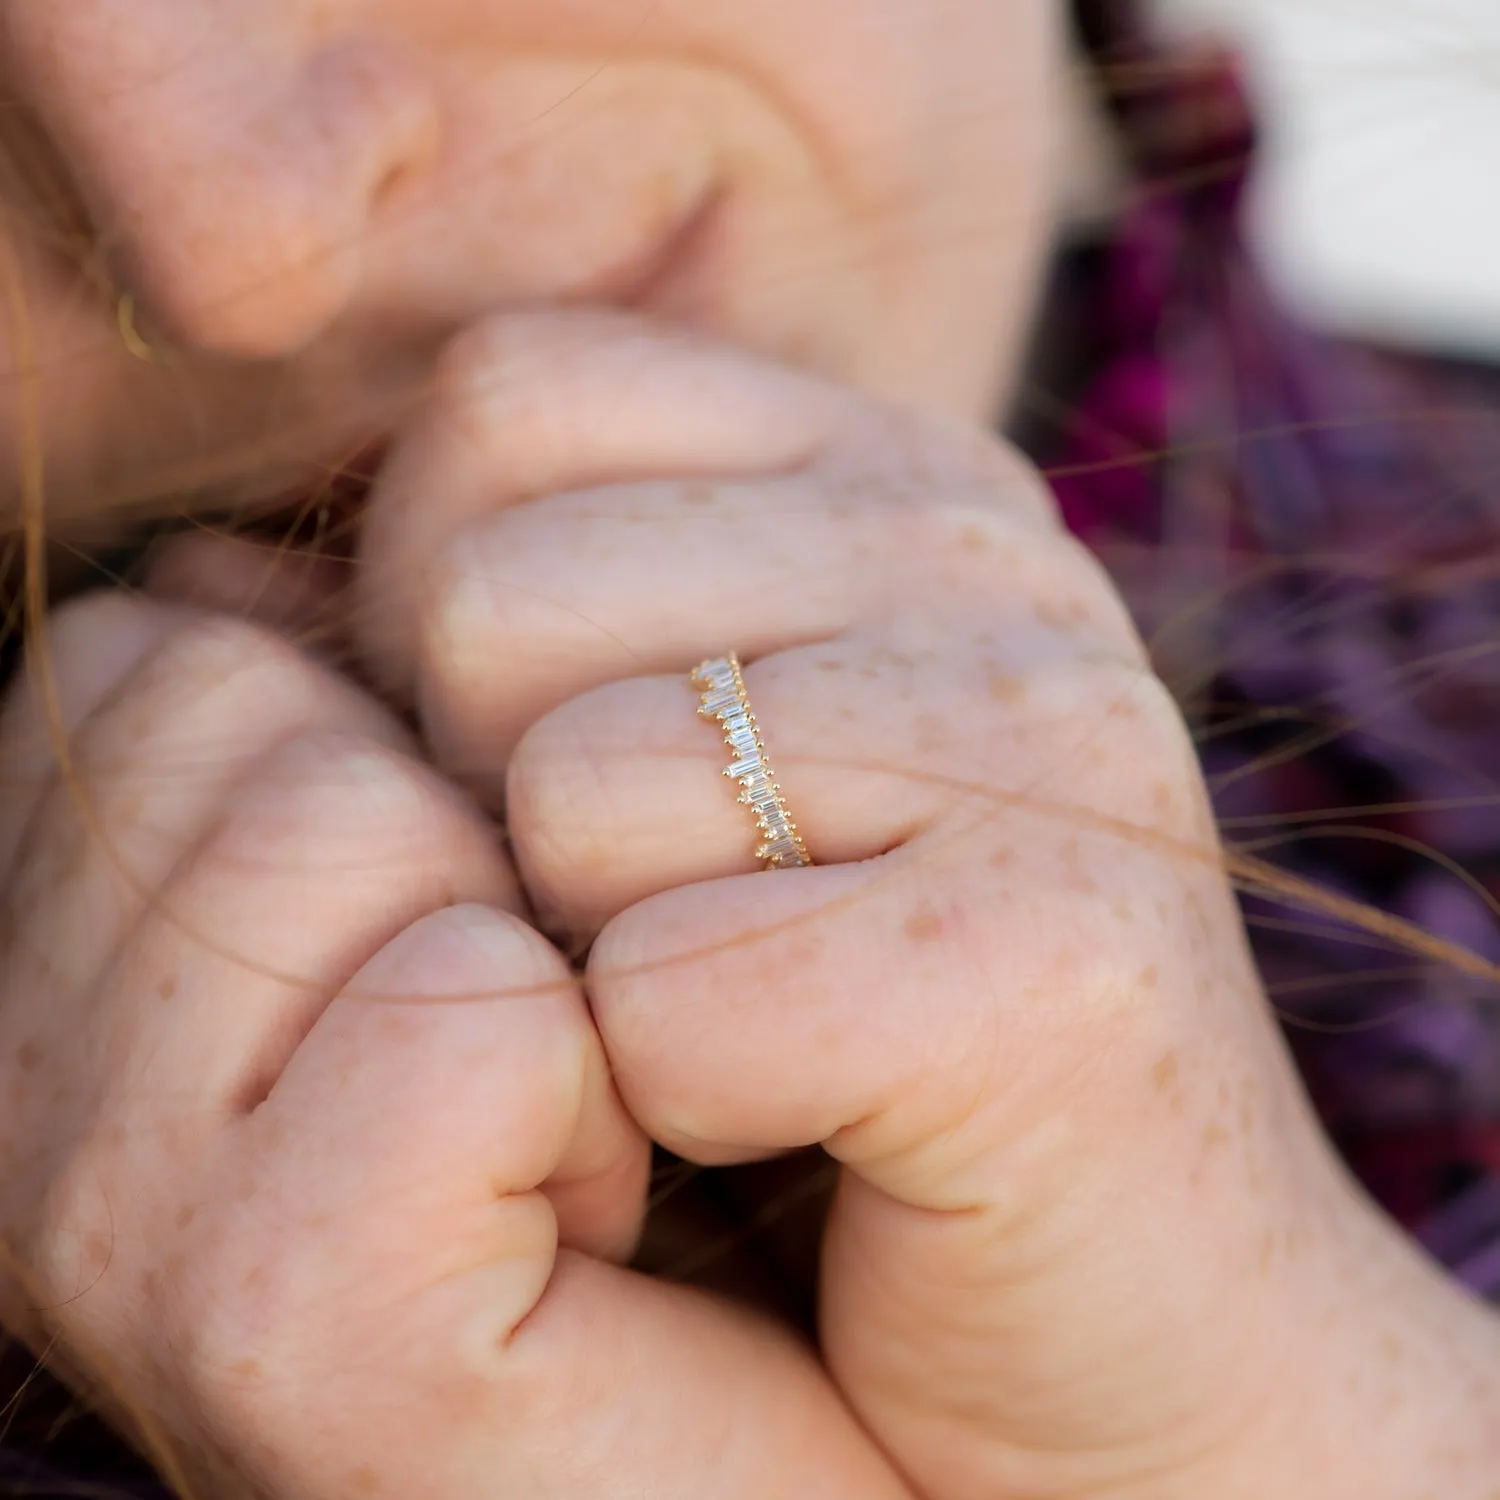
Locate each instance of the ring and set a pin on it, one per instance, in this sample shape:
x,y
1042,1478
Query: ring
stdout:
x,y
130,334
721,688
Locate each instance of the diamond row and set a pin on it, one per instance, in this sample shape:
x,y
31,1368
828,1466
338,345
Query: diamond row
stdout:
x,y
721,686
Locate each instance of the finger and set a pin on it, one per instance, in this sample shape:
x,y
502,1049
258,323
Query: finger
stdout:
x,y
78,655
458,1071
529,405
542,603
612,1384
332,846
149,768
1038,1050
626,560
622,793
291,589
389,1252
736,977
766,1012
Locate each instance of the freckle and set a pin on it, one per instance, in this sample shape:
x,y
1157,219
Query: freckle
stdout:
x,y
1123,909
28,1055
256,1278
246,1369
1247,1120
1223,1092
1003,688
1164,1074
699,494
924,927
186,1214
1215,1136
973,538
1001,858
830,666
845,713
364,1479
800,954
168,987
1161,796
869,672
1163,909
1148,977
1049,612
97,1249
1267,1251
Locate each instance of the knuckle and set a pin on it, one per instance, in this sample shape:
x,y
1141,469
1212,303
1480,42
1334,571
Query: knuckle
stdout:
x,y
971,546
476,374
71,1255
465,606
88,647
333,776
237,686
222,653
1129,733
558,793
109,615
510,385
347,804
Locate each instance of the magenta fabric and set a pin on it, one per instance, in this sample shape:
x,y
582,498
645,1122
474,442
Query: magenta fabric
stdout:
x,y
1308,531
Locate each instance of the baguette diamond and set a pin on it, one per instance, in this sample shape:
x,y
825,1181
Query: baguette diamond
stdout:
x,y
720,685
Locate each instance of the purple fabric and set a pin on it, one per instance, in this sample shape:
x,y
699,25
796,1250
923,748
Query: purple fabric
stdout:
x,y
1309,533
26,1478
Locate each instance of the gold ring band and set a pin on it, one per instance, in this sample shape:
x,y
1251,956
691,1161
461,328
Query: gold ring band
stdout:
x,y
721,688
130,334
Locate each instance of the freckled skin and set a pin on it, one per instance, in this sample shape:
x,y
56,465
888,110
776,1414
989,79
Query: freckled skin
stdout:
x,y
1003,688
1164,1073
994,1305
924,927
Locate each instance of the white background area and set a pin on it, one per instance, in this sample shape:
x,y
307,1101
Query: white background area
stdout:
x,y
1377,206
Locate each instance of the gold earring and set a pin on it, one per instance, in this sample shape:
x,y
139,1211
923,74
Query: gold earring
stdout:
x,y
130,335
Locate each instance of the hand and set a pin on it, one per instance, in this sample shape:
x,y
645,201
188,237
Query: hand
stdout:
x,y
1088,1239
311,1161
